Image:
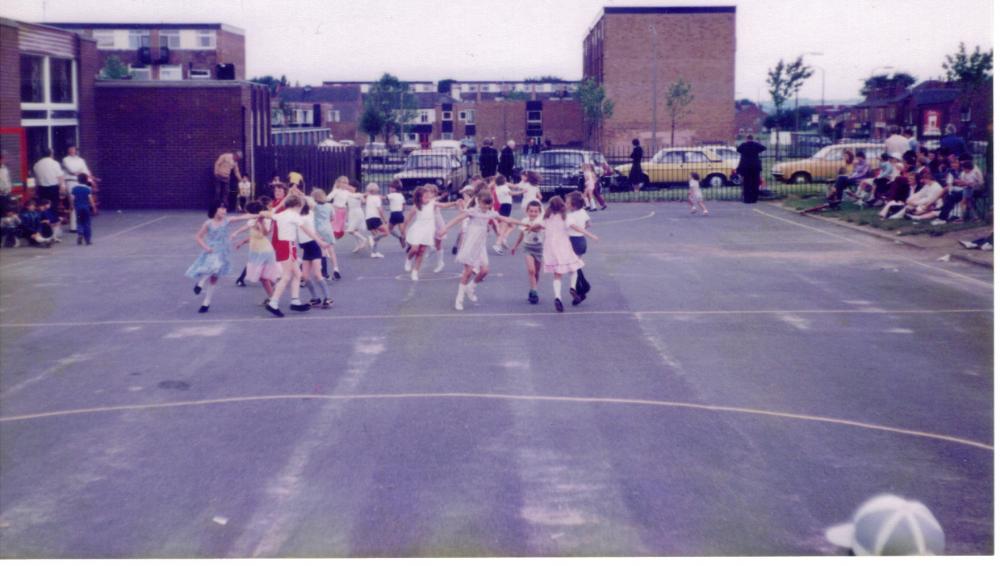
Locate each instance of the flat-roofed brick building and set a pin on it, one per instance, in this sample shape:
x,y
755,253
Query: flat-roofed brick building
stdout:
x,y
634,51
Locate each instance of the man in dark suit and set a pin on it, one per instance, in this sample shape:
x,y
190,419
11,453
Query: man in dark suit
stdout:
x,y
749,168
488,159
506,167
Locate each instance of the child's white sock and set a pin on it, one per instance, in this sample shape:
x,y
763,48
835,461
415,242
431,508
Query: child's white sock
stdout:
x,y
208,295
273,303
572,280
201,282
557,288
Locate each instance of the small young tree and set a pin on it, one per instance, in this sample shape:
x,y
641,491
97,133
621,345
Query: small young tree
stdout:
x,y
969,72
392,100
679,97
785,80
115,69
371,122
596,107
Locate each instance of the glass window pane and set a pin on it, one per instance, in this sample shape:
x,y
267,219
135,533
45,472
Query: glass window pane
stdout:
x,y
38,142
138,38
61,75
31,79
170,38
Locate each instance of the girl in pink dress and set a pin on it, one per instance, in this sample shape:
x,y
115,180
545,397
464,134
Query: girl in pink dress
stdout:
x,y
558,257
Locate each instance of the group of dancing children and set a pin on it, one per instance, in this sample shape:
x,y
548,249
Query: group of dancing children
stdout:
x,y
291,238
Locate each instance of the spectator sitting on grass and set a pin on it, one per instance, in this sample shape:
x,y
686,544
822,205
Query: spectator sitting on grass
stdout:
x,y
869,188
50,219
923,204
31,226
834,193
899,192
953,195
952,141
9,227
861,169
972,182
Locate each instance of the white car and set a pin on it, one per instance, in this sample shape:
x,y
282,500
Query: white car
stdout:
x,y
374,152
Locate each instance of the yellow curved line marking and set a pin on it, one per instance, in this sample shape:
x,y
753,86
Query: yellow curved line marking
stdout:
x,y
470,315
504,397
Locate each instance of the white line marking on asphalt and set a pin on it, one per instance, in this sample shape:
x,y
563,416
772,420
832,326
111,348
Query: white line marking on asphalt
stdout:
x,y
899,331
867,245
507,397
795,321
197,332
59,366
131,228
473,315
621,220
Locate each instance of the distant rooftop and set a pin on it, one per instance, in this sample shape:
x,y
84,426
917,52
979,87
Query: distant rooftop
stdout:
x,y
132,25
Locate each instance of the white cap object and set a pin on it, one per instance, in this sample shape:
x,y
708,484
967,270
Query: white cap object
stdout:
x,y
890,525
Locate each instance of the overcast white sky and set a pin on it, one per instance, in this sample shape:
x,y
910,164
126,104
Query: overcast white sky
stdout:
x,y
313,40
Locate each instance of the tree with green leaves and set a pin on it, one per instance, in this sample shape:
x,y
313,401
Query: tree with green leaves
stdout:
x,y
886,81
391,100
679,98
785,80
371,122
596,106
271,83
444,86
969,71
115,69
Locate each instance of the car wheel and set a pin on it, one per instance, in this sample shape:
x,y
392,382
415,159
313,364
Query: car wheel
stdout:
x,y
801,178
715,181
736,180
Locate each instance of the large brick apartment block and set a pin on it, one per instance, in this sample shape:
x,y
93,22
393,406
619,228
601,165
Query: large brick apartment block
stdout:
x,y
159,139
48,90
636,51
169,51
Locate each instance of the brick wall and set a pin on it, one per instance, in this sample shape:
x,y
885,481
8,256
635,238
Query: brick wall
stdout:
x,y
231,48
10,86
88,66
700,47
158,143
562,122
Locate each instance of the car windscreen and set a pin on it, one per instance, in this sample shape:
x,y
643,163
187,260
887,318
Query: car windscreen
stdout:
x,y
427,162
560,161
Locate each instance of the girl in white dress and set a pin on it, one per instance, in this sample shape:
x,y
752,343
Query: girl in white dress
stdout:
x,y
419,229
356,219
528,189
472,254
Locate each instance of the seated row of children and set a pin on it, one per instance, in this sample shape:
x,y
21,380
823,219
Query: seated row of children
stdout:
x,y
38,223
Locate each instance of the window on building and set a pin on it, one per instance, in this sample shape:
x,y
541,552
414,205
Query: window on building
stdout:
x,y
32,78
206,39
138,38
170,38
171,73
140,73
892,113
333,115
534,115
61,80
424,117
446,115
467,116
200,74
447,136
62,138
38,142
105,38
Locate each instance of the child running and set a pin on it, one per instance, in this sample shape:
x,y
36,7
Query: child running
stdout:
x,y
472,255
213,262
338,198
531,236
288,223
375,219
397,203
261,263
557,252
356,219
578,216
506,201
419,229
695,198
323,213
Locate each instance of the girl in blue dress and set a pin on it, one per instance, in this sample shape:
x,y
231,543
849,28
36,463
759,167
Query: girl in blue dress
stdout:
x,y
213,237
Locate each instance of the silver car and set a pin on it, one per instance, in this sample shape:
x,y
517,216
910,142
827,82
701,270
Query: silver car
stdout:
x,y
437,167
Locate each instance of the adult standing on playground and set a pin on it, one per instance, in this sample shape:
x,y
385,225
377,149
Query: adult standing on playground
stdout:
x,y
506,167
227,169
635,174
488,159
49,178
749,168
74,165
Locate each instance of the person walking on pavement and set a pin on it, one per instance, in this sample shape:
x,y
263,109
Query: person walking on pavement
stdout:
x,y
227,169
506,167
488,160
749,168
635,174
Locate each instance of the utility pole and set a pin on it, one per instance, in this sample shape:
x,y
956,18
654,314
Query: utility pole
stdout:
x,y
656,75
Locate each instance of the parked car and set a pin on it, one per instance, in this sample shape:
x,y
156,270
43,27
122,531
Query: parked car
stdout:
x,y
435,166
374,152
453,146
674,165
823,165
346,143
330,143
409,146
560,169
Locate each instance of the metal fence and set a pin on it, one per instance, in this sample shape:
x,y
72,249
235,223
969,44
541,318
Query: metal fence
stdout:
x,y
319,166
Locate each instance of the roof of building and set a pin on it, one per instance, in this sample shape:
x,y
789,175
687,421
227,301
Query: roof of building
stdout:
x,y
320,94
935,95
431,99
670,9
133,25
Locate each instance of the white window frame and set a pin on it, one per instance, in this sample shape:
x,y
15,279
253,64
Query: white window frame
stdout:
x,y
333,115
47,103
105,38
173,37
148,70
200,74
137,35
467,116
424,117
203,34
178,68
447,135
